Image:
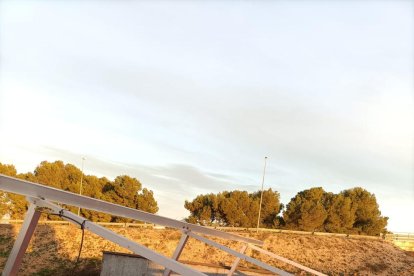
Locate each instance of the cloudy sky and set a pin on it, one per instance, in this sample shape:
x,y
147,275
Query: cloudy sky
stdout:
x,y
189,97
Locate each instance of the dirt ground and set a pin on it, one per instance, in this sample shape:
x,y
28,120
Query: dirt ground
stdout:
x,y
54,249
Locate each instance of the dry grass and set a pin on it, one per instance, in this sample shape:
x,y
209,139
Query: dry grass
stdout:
x,y
54,249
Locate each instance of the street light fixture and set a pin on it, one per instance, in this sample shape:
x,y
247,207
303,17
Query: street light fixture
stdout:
x,y
81,180
261,195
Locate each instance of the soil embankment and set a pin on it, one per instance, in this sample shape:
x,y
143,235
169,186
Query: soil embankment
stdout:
x,y
55,247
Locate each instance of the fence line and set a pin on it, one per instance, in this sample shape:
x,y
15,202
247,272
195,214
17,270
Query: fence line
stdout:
x,y
397,236
62,222
381,236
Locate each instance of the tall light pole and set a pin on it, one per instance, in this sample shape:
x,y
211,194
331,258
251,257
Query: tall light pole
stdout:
x,y
80,187
261,195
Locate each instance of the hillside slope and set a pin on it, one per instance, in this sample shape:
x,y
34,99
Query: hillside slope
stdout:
x,y
55,247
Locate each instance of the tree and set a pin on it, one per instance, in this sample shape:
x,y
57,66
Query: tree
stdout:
x,y
145,201
351,211
59,175
203,209
271,207
368,219
8,170
341,214
124,190
13,204
235,208
306,211
93,187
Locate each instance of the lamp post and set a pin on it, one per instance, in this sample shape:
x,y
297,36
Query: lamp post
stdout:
x,y
80,187
261,195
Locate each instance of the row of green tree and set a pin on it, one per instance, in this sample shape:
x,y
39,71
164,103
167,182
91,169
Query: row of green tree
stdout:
x,y
350,211
353,211
123,190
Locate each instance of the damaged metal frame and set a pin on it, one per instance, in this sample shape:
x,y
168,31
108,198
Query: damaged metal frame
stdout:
x,y
43,196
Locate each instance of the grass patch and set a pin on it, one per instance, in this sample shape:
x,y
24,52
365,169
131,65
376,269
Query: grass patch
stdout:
x,y
4,239
378,267
44,272
4,254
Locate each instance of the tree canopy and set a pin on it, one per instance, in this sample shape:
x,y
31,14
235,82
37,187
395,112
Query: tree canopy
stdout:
x,y
235,208
351,211
306,210
124,190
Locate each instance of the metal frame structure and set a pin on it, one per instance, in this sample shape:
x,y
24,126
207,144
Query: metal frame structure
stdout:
x,y
41,196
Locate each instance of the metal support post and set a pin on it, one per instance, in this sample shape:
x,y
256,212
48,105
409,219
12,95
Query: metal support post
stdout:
x,y
22,242
237,261
178,251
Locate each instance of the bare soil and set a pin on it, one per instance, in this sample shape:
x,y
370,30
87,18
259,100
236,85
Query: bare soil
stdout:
x,y
54,249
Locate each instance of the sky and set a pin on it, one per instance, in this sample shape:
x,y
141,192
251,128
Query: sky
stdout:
x,y
190,96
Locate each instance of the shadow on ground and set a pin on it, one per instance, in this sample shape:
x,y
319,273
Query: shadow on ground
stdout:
x,y
43,256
